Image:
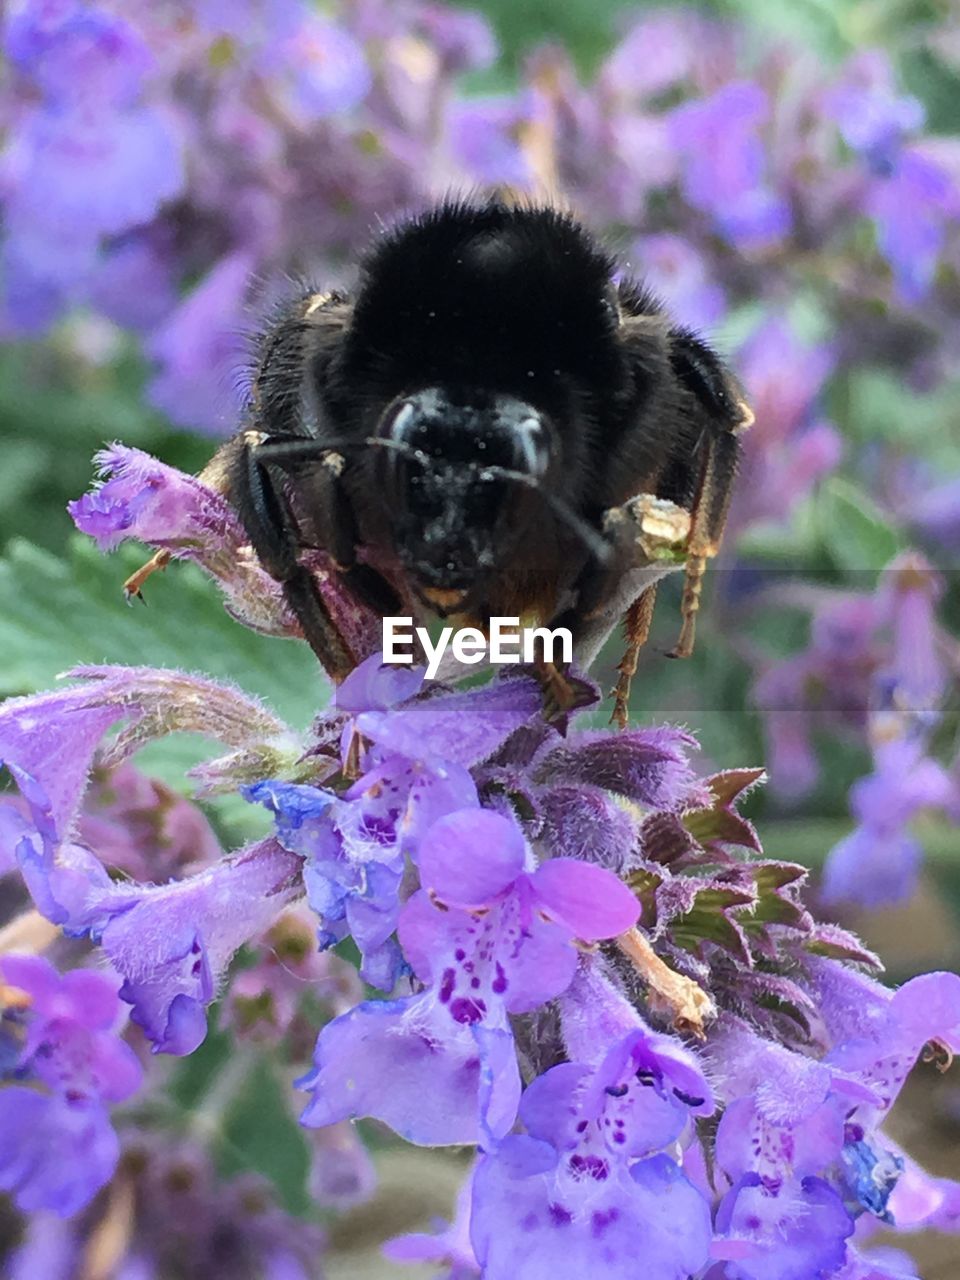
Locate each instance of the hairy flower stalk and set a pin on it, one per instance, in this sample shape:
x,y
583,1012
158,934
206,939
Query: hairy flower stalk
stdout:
x,y
588,969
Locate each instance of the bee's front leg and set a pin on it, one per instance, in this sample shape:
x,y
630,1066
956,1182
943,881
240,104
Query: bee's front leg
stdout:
x,y
256,490
637,628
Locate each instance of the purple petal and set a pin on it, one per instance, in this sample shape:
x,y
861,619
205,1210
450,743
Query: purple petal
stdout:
x,y
925,1008
383,1058
468,859
54,1156
48,742
172,943
198,350
529,1228
589,900
65,884
872,868
458,728
377,686
796,1232
550,1107
145,499
97,173
78,53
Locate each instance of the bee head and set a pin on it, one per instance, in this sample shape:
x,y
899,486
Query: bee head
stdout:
x,y
456,468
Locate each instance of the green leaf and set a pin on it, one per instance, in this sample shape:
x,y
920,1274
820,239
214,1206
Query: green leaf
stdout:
x,y
853,528
260,1134
57,613
708,921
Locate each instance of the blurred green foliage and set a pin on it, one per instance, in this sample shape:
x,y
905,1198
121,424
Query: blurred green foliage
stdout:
x,y
829,28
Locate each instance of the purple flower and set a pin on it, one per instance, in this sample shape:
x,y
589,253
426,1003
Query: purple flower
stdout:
x,y
677,271
790,448
461,729
486,140
648,766
913,208
414,774
464,40
912,682
318,70
586,1181
342,1174
352,881
794,1232
172,943
59,1146
491,933
657,54
376,685
385,1056
90,157
909,195
487,937
50,742
142,498
879,862
873,118
55,1155
72,53
133,285
783,376
879,1042
97,174
199,349
70,1042
724,173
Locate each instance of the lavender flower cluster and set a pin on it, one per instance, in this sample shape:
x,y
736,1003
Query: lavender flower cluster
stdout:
x,y
588,970
160,157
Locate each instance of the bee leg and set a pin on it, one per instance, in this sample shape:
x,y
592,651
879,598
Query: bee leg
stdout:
x,y
558,694
134,584
276,538
690,606
637,627
706,531
336,528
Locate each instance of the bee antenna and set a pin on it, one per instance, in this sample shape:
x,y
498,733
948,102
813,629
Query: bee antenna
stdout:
x,y
294,451
596,544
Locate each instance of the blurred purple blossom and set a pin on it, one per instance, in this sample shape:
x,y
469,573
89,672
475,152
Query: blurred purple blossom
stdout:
x,y
724,164
677,271
59,1147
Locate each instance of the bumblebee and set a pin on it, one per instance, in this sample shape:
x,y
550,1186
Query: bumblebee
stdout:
x,y
492,423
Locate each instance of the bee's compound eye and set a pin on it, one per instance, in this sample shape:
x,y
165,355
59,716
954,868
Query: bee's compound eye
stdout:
x,y
398,422
533,446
